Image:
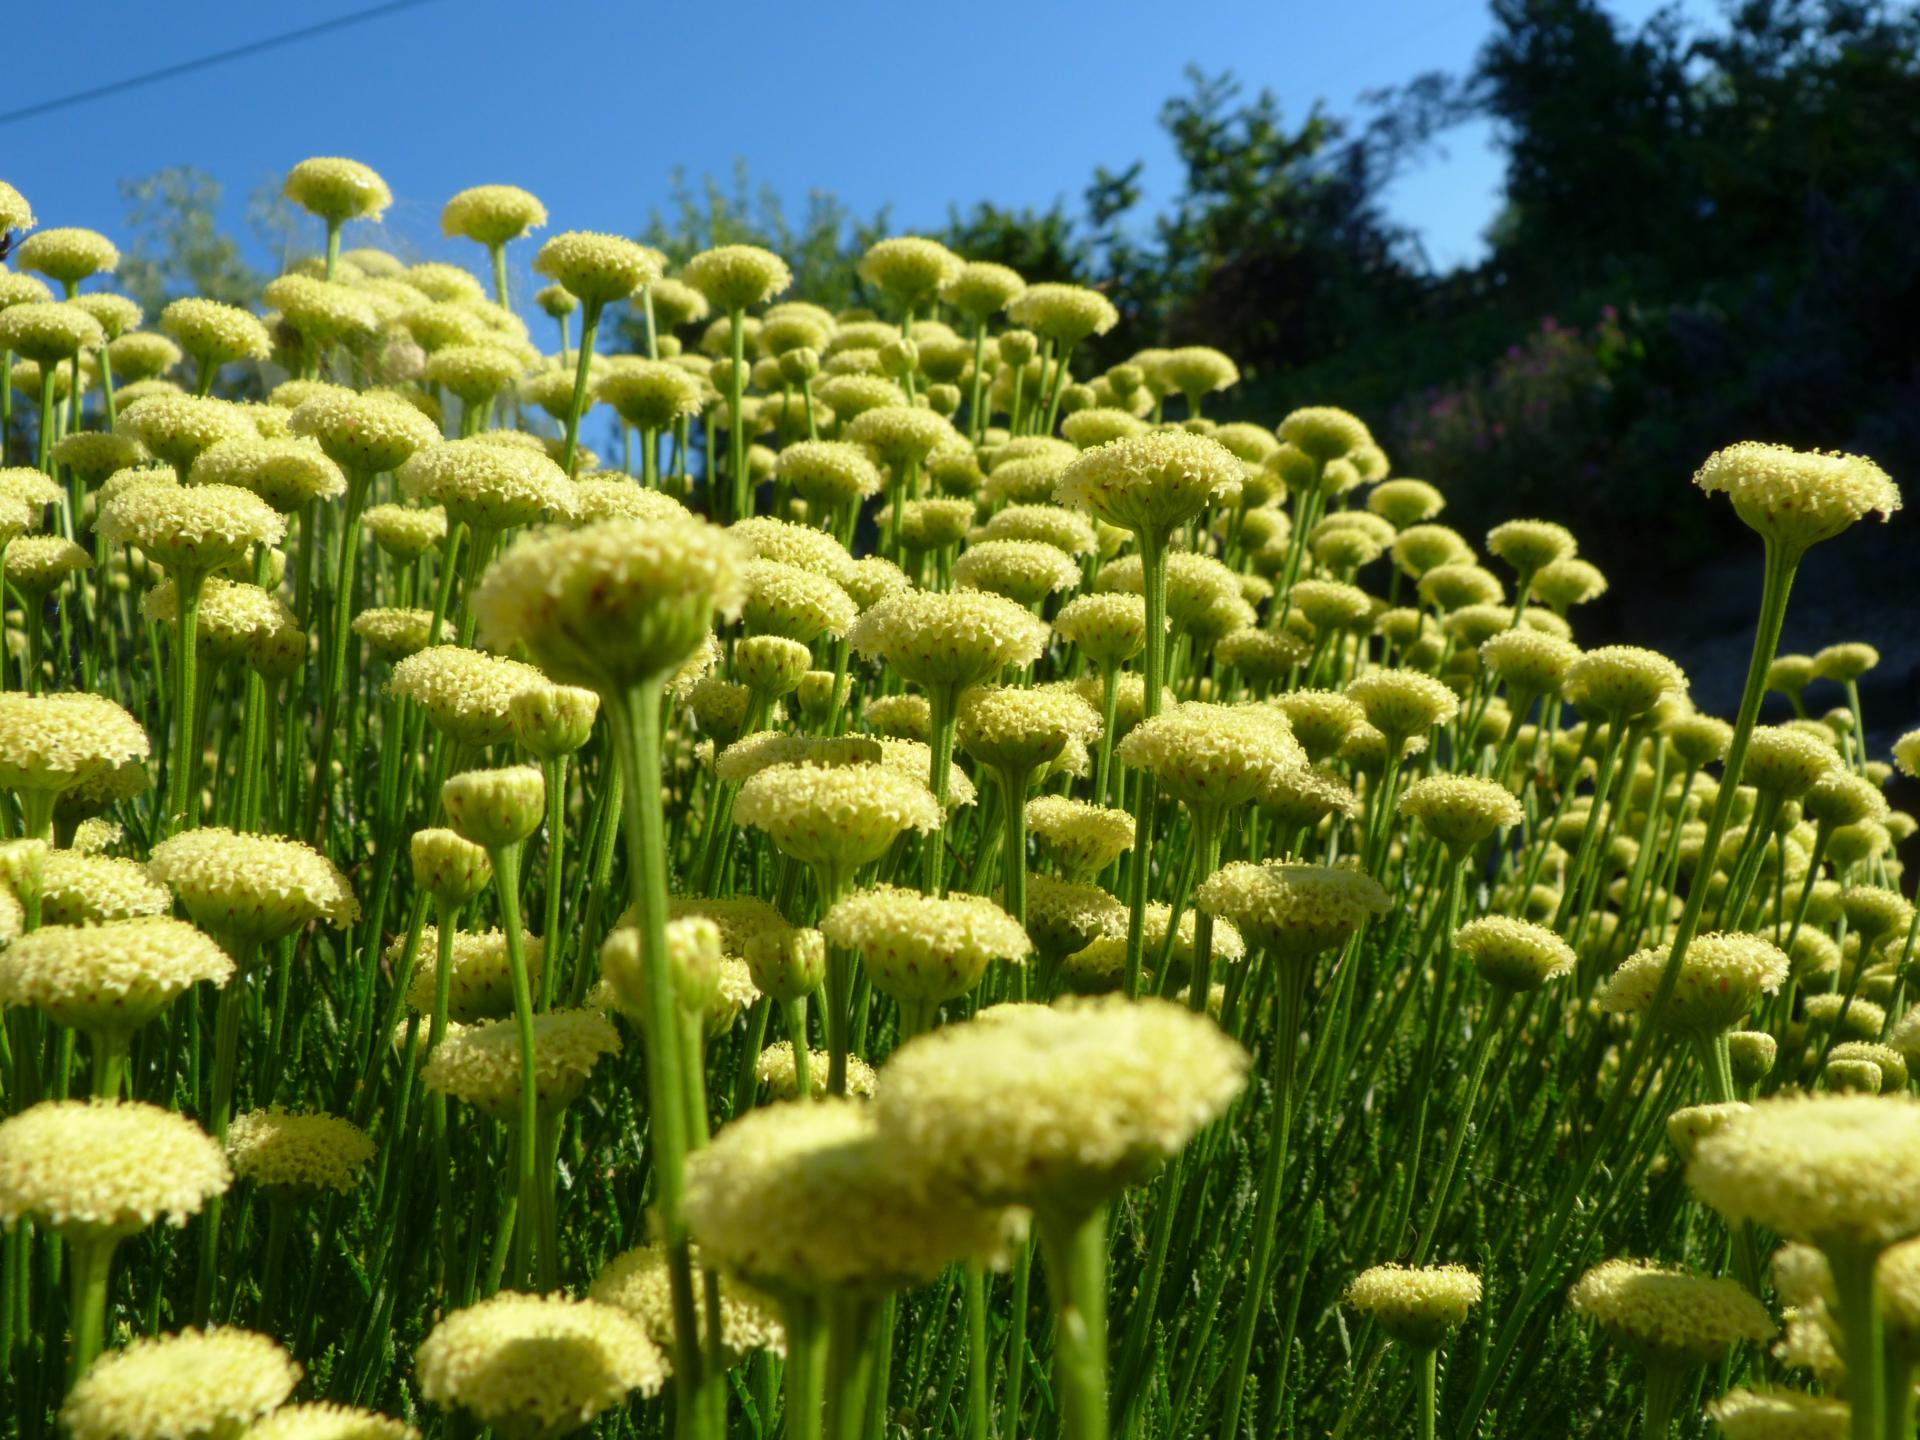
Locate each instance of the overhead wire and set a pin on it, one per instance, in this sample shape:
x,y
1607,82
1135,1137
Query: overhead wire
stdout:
x,y
204,62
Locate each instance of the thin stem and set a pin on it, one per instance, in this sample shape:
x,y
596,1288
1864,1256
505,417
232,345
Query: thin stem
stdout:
x,y
940,699
736,430
506,882
280,1217
634,716
342,601
839,1016
182,809
1153,569
1780,567
1291,973
551,937
1442,1193
226,1048
498,255
109,1063
589,325
795,1014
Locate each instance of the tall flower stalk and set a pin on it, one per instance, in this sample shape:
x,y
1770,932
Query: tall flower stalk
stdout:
x,y
1844,490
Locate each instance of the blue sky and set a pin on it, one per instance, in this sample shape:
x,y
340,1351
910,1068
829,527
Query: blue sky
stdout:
x,y
592,104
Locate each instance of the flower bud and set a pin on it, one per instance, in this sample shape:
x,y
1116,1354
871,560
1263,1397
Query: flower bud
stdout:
x,y
450,869
1752,1052
787,964
553,720
22,863
693,952
1418,1306
496,808
814,695
899,357
771,665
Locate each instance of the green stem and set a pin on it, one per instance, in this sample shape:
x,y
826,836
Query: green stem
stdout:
x,y
795,1014
1014,877
976,422
804,1355
849,1363
226,1048
1075,1250
280,1217
498,255
1442,1192
342,602
736,431
1665,1387
1780,567
551,937
839,1003
506,881
1153,569
1856,1283
1901,1401
1291,973
634,718
589,324
940,699
44,459
1109,707
181,809
90,1261
879,1409
978,1361
1017,1349
109,1063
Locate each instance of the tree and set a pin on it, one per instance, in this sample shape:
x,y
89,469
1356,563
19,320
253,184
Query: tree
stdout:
x,y
1276,249
178,248
1041,244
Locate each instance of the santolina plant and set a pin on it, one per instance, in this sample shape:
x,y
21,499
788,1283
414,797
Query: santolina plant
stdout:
x,y
949,895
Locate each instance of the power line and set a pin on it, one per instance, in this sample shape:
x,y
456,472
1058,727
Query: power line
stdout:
x,y
204,62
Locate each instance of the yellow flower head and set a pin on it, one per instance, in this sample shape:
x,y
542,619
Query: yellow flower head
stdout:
x,y
613,603
195,1383
924,948
536,1367
1417,1306
1797,498
1059,1107
105,1168
337,190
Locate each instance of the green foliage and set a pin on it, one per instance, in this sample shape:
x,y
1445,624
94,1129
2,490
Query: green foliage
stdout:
x,y
1043,245
1276,248
1714,228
